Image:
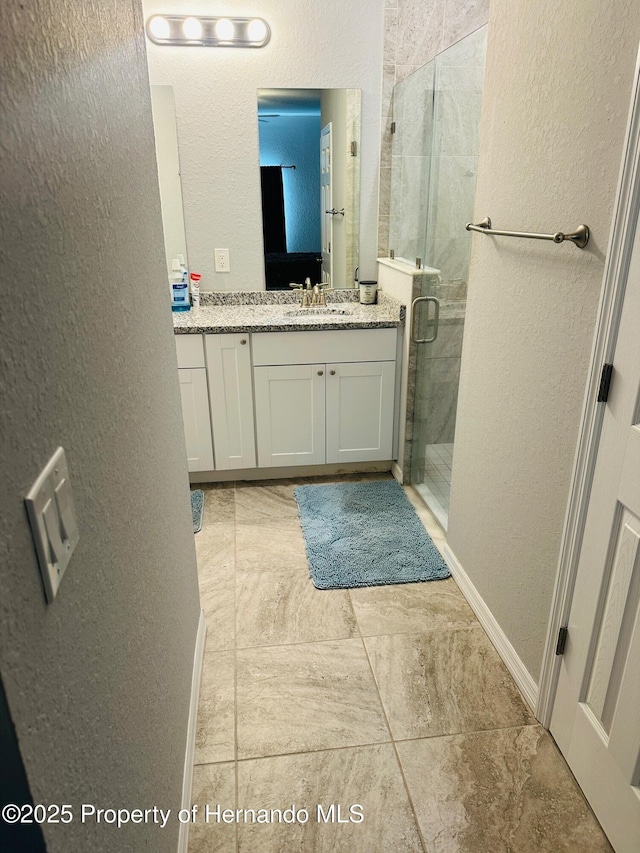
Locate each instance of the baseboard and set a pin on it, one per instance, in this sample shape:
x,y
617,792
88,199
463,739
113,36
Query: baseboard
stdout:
x,y
187,779
396,470
519,672
287,472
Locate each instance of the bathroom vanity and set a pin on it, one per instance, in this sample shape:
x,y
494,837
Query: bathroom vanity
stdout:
x,y
267,385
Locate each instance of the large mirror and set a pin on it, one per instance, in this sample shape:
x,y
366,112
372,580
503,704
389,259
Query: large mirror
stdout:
x,y
310,180
166,139
310,183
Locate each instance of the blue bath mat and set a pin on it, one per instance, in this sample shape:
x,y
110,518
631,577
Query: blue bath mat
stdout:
x,y
365,534
197,509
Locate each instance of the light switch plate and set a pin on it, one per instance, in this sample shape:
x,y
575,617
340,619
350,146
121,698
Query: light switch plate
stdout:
x,y
53,521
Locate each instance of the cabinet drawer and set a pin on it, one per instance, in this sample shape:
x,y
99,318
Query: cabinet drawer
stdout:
x,y
190,350
321,347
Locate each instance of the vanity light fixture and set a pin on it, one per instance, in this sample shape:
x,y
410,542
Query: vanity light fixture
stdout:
x,y
190,31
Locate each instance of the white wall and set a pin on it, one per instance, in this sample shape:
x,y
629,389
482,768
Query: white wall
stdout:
x,y
313,45
98,682
555,105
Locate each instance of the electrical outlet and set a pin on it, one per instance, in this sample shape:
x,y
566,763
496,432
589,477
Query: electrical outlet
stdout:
x,y
222,260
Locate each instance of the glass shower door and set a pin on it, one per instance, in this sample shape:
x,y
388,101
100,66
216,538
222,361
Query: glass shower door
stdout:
x,y
428,217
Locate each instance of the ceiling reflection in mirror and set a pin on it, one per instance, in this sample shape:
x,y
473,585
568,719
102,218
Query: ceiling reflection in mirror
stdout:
x,y
310,185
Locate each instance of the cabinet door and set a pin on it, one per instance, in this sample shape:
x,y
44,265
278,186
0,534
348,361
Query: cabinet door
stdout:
x,y
231,400
290,414
195,414
360,401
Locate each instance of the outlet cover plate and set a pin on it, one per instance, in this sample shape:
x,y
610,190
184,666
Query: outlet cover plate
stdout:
x,y
222,260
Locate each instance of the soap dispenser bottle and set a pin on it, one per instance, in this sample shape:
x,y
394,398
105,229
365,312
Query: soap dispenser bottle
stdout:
x,y
179,288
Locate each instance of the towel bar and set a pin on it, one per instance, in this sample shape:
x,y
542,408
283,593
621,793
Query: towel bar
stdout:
x,y
579,237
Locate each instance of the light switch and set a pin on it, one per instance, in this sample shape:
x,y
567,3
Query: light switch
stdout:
x,y
53,521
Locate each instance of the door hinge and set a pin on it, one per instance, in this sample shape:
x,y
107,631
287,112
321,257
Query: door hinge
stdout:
x,y
393,127
354,148
562,640
605,383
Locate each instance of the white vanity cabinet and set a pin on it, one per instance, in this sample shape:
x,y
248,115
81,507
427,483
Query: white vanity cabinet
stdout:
x,y
192,374
231,400
324,397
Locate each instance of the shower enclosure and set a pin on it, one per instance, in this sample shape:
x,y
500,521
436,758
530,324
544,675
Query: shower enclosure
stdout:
x,y
436,113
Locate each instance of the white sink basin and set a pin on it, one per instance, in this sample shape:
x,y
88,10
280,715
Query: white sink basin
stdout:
x,y
317,309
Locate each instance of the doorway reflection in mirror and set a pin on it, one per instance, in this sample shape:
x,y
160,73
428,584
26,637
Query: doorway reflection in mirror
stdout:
x,y
305,231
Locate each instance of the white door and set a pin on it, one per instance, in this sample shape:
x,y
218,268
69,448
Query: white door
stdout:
x,y
596,715
326,203
360,411
231,400
290,414
195,415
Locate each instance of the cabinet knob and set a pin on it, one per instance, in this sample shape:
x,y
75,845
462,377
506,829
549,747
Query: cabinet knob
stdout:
x,y
320,372
332,372
243,341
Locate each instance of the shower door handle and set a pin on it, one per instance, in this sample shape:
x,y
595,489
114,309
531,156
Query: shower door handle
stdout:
x,y
414,319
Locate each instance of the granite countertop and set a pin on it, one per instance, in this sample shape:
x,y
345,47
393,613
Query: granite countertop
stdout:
x,y
280,311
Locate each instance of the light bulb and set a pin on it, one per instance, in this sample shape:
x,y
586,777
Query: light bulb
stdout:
x,y
159,27
192,29
225,29
257,30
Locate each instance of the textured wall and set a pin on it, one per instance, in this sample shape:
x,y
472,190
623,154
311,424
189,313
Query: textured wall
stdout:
x,y
97,682
313,45
556,100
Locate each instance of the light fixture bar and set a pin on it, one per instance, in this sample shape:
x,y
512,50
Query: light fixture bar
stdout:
x,y
195,31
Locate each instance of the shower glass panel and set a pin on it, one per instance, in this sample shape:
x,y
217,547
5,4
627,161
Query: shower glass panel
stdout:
x,y
433,182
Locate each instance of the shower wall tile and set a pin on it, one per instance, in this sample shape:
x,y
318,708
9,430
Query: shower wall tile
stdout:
x,y
410,195
448,344
436,399
462,77
420,29
452,256
420,25
383,236
413,114
388,82
463,17
457,122
386,145
390,36
454,193
385,188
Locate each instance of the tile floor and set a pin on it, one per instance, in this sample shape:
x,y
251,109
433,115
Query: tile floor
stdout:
x,y
387,699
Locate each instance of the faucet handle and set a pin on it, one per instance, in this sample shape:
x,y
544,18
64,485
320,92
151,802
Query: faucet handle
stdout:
x,y
293,284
